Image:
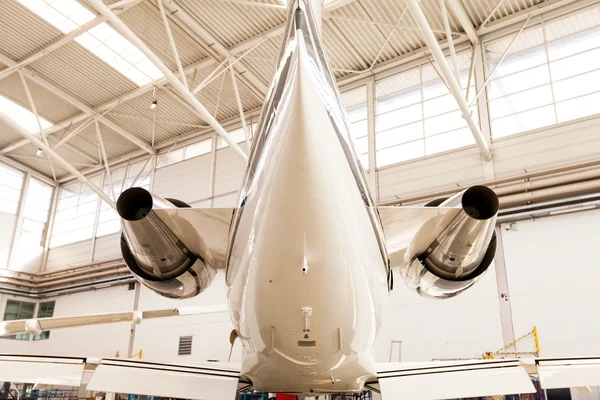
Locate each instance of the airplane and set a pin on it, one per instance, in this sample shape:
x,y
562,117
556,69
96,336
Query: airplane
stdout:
x,y
309,262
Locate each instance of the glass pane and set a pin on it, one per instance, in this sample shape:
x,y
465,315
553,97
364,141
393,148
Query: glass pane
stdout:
x,y
515,103
197,149
444,123
440,105
403,134
577,86
8,206
400,153
108,227
578,64
399,100
359,129
357,113
173,156
519,62
449,141
519,82
523,122
399,117
574,44
433,89
237,135
578,108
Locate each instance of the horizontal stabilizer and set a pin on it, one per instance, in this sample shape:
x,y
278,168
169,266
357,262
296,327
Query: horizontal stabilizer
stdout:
x,y
569,372
460,379
48,370
165,380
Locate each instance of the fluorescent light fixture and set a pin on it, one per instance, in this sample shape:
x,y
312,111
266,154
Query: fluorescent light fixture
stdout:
x,y
21,116
102,40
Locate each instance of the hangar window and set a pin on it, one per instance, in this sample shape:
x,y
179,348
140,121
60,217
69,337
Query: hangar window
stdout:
x,y
45,310
76,213
416,115
18,310
36,207
11,183
355,103
550,75
185,152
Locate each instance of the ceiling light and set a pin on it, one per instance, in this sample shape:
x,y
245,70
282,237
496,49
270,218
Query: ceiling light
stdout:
x,y
39,153
154,105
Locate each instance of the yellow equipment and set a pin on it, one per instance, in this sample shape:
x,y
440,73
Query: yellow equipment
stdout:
x,y
534,332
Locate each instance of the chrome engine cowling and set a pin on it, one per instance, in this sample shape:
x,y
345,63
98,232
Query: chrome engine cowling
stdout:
x,y
153,253
451,252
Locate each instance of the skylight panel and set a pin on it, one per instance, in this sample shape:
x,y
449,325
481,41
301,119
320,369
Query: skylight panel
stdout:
x,y
21,116
103,41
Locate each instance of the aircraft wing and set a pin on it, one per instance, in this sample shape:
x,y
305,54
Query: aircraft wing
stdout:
x,y
202,230
38,325
213,381
479,378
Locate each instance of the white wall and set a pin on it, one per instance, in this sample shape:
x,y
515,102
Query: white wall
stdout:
x,y
554,274
463,327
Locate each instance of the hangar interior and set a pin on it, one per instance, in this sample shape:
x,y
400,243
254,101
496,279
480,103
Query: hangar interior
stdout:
x,y
529,71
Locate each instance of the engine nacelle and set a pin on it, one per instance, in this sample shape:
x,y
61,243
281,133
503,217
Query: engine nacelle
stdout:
x,y
153,253
451,252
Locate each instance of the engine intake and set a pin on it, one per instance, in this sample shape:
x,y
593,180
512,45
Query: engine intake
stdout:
x,y
452,252
153,253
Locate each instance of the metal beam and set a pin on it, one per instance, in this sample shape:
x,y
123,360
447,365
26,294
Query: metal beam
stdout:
x,y
446,71
37,117
124,30
463,19
174,51
68,38
51,153
199,30
239,103
88,111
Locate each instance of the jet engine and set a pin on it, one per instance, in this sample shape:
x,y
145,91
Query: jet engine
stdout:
x,y
153,253
452,250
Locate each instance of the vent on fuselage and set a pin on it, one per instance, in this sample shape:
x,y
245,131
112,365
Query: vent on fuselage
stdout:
x,y
185,346
307,343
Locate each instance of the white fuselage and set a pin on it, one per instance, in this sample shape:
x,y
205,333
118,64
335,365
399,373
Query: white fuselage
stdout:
x,y
306,274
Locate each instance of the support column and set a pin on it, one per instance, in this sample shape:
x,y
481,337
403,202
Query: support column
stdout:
x,y
508,331
489,172
371,139
448,76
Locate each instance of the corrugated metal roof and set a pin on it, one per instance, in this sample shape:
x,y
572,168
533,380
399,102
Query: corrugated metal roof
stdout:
x,y
90,79
478,10
145,21
354,37
231,23
49,106
22,32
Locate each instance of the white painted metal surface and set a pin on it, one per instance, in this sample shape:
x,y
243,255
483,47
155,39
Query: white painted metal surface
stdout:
x,y
453,380
566,373
42,370
159,379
